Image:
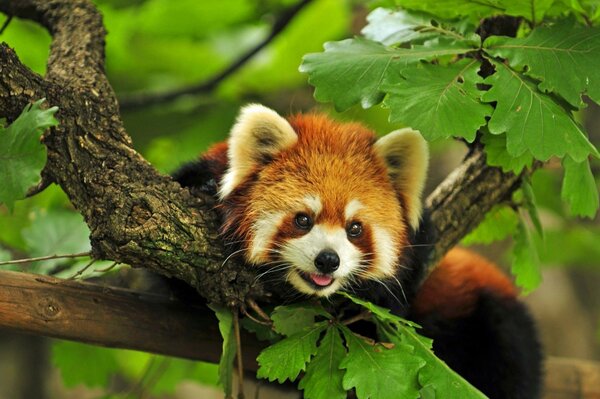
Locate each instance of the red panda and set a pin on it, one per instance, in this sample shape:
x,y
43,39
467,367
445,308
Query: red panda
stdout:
x,y
330,207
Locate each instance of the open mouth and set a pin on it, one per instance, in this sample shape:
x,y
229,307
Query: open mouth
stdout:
x,y
317,280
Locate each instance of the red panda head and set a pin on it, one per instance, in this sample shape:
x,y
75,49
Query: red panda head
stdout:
x,y
324,200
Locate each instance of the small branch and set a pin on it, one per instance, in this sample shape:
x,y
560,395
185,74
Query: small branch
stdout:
x,y
38,188
470,191
109,268
258,310
240,362
361,316
40,258
5,24
135,101
254,319
82,270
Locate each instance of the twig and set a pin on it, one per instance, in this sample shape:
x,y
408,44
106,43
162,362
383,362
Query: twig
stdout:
x,y
153,378
240,363
134,101
80,272
258,310
28,260
5,24
361,316
254,319
107,269
38,188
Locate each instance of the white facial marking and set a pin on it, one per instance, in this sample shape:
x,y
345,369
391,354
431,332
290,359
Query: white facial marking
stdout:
x,y
313,202
301,252
351,209
264,229
387,253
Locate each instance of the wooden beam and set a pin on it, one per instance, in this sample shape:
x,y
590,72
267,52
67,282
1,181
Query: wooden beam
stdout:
x,y
120,318
112,317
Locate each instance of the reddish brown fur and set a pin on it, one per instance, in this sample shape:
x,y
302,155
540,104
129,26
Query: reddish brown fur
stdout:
x,y
452,288
216,156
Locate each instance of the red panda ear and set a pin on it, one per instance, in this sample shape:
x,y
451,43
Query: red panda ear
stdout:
x,y
258,134
406,156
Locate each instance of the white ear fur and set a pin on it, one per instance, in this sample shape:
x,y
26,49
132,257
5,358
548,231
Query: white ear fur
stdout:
x,y
258,134
406,156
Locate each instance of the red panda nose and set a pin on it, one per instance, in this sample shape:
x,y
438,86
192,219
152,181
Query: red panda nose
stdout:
x,y
327,261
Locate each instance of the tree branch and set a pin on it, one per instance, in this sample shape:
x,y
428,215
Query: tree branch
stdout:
x,y
135,101
139,217
113,317
470,191
135,215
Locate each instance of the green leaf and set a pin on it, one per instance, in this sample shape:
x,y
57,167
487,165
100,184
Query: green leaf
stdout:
x,y
532,10
352,71
440,101
84,364
497,155
56,232
289,320
532,120
525,261
472,9
500,222
229,347
22,156
383,314
377,371
323,378
579,188
288,357
392,27
564,57
530,205
436,378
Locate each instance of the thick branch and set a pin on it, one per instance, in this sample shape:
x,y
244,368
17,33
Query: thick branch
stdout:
x,y
146,99
461,201
113,317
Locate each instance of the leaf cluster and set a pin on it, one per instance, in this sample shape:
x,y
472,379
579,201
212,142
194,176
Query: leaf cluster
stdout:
x,y
438,68
329,359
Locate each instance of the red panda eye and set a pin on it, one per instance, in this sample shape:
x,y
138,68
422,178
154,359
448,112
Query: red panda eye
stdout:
x,y
303,221
355,229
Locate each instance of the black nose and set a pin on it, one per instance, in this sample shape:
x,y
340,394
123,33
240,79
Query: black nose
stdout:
x,y
327,261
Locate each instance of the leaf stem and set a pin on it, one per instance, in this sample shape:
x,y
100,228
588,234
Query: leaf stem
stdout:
x,y
361,316
81,271
240,364
254,319
258,310
48,257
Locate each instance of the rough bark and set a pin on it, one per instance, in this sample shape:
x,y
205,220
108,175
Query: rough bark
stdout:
x,y
135,215
138,216
455,211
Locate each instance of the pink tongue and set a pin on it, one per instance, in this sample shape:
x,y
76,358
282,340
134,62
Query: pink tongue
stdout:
x,y
320,279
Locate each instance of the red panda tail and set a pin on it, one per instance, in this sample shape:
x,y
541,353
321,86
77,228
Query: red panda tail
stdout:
x,y
452,288
479,327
